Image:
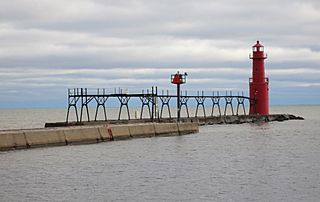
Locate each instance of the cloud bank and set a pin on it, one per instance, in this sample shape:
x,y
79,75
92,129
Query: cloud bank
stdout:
x,y
49,46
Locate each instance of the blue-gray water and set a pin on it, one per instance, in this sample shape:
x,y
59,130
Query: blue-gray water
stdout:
x,y
278,161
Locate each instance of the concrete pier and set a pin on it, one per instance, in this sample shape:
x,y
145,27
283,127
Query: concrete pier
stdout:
x,y
31,138
209,120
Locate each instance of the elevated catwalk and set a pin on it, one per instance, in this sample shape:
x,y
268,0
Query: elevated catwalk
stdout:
x,y
156,103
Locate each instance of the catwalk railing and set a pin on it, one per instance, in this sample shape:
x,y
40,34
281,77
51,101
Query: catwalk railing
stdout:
x,y
156,103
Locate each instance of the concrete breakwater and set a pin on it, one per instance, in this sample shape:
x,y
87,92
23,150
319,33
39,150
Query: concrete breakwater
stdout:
x,y
31,138
209,120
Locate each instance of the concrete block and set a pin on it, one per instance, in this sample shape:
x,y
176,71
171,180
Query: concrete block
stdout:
x,y
142,130
12,140
166,129
104,134
119,132
187,128
82,135
45,137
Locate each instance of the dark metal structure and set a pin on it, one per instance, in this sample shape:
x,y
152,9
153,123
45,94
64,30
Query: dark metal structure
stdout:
x,y
178,79
152,100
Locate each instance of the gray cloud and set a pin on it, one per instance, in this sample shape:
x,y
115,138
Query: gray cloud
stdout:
x,y
48,46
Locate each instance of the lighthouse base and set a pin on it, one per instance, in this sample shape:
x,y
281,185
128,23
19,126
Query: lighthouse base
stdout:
x,y
259,97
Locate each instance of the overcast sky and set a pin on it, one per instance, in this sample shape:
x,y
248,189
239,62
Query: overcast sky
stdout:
x,y
48,46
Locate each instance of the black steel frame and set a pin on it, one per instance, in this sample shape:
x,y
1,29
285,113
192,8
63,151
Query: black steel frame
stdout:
x,y
81,97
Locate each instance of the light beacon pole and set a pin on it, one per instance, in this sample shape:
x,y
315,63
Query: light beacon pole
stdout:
x,y
178,79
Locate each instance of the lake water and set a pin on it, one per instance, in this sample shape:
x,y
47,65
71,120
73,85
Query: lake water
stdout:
x,y
276,161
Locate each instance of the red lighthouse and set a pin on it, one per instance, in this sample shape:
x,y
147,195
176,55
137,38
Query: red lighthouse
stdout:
x,y
259,84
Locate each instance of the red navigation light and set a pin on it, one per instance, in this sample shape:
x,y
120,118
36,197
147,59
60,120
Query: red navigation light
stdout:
x,y
178,78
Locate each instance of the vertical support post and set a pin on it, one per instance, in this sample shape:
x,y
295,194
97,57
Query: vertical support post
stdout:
x,y
152,104
165,99
156,104
72,102
81,94
178,102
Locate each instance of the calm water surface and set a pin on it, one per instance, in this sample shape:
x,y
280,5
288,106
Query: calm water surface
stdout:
x,y
278,161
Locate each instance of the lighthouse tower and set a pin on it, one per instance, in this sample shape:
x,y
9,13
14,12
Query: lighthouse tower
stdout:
x,y
259,84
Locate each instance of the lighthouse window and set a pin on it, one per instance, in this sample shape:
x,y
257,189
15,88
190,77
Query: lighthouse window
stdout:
x,y
254,49
261,48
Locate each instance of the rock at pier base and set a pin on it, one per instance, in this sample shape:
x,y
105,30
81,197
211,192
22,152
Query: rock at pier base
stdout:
x,y
247,119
